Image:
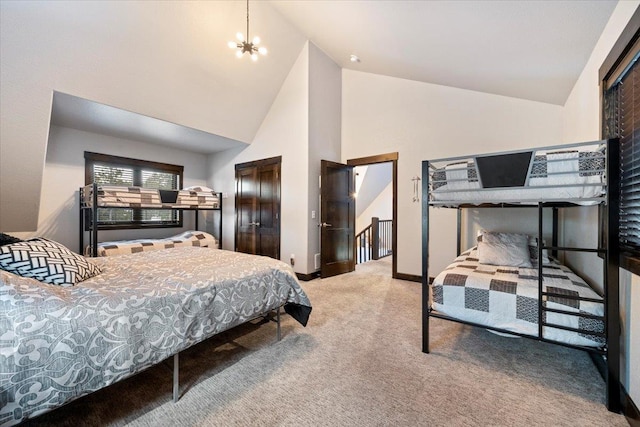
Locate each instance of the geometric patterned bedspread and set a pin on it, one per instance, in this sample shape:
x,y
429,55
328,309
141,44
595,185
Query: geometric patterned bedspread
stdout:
x,y
60,343
124,247
507,298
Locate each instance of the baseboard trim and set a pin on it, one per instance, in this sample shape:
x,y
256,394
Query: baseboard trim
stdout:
x,y
408,277
307,277
630,410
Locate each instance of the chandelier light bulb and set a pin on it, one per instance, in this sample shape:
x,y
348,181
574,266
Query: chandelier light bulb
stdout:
x,y
250,47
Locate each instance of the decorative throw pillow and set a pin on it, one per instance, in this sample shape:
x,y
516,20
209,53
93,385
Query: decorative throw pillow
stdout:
x,y
6,239
504,254
46,261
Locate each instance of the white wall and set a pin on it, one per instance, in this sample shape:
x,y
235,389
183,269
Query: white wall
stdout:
x,y
581,121
381,207
375,178
167,60
424,121
325,98
284,132
64,173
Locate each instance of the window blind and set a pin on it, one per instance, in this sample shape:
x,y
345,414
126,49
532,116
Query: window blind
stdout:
x,y
622,120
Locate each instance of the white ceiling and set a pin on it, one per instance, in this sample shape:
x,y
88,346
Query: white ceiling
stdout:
x,y
79,113
526,49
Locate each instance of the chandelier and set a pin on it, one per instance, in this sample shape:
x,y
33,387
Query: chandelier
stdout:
x,y
244,45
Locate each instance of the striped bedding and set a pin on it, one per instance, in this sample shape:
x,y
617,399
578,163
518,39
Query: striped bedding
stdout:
x,y
138,197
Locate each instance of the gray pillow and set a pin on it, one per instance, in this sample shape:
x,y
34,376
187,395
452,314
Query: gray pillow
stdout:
x,y
506,254
495,237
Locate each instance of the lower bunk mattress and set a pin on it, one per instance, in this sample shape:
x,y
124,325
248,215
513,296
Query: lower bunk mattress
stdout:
x,y
124,247
59,343
507,298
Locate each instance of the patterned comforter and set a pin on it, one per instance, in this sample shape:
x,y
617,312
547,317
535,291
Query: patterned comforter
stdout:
x,y
57,343
507,298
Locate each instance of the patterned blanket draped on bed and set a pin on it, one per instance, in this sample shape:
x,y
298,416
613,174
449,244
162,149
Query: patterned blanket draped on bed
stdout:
x,y
57,344
507,298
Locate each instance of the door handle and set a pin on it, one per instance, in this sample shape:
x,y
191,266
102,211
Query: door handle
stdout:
x,y
257,224
325,224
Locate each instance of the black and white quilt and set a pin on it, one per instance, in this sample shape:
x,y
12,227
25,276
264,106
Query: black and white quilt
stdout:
x,y
507,298
559,175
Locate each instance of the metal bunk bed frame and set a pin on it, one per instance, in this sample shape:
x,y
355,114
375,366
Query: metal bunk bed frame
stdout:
x,y
89,218
608,249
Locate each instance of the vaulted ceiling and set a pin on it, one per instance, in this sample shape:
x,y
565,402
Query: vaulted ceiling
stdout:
x,y
533,50
525,49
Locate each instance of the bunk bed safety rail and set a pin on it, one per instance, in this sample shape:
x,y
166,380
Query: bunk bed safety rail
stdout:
x,y
574,172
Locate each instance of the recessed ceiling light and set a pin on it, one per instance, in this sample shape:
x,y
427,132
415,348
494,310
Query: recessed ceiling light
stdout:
x,y
354,58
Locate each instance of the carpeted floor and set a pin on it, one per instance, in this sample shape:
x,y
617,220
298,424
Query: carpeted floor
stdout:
x,y
358,363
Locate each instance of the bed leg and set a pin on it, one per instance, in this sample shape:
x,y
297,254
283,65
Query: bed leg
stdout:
x,y
176,370
278,332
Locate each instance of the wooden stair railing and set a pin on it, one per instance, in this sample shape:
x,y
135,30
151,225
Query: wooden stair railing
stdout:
x,y
374,242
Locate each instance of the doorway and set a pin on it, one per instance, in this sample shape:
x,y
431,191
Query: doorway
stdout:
x,y
337,198
390,159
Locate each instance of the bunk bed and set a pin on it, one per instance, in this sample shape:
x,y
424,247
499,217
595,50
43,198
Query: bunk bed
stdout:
x,y
72,325
508,283
94,197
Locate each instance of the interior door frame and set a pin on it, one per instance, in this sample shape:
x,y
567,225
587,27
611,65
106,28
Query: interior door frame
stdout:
x,y
277,160
384,158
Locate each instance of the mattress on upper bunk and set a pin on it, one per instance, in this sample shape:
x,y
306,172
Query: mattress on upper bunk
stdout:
x,y
507,298
151,198
568,175
124,247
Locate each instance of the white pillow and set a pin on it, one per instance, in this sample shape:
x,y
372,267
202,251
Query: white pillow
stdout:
x,y
504,254
199,188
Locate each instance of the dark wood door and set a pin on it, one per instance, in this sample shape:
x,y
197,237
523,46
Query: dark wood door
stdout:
x,y
337,219
258,207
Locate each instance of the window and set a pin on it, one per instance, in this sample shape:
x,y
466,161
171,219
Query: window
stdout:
x,y
620,77
111,170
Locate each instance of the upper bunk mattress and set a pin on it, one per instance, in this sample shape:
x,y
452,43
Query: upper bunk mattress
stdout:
x,y
507,298
575,175
113,196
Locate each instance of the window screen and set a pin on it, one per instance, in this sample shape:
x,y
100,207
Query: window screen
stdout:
x,y
111,170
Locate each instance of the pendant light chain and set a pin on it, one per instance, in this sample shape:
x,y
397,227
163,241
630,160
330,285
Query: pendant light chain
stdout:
x,y
246,45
